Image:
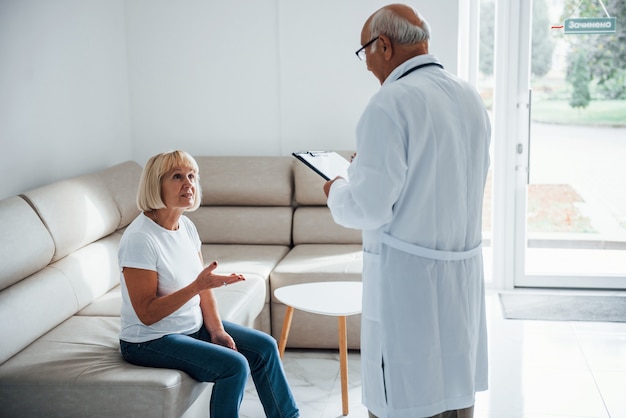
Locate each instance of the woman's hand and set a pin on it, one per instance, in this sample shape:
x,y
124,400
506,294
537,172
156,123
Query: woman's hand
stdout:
x,y
208,304
222,338
207,280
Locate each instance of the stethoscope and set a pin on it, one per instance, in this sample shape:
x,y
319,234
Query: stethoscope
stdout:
x,y
428,64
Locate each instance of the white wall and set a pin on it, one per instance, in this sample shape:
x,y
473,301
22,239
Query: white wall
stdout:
x,y
85,85
324,87
204,76
256,77
63,90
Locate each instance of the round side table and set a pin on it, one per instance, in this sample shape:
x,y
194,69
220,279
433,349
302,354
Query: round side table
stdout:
x,y
340,299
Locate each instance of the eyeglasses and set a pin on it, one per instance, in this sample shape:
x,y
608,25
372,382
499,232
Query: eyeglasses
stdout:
x,y
360,54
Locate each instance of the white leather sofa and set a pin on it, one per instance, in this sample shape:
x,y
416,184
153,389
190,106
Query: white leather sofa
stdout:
x,y
264,217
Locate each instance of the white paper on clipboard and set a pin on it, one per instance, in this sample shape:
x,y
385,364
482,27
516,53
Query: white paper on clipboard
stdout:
x,y
328,164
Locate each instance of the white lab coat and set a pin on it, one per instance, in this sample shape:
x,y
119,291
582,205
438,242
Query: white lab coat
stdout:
x,y
417,184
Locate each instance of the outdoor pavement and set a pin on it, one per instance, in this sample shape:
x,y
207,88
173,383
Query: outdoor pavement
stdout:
x,y
593,161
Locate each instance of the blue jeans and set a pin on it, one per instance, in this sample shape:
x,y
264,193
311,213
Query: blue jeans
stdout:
x,y
227,369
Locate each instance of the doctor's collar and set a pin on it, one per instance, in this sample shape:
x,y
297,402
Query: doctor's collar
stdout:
x,y
411,65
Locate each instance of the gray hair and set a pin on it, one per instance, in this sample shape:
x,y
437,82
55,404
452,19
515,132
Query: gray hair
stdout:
x,y
386,22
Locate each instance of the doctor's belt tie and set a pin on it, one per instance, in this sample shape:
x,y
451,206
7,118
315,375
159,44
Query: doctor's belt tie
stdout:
x,y
424,252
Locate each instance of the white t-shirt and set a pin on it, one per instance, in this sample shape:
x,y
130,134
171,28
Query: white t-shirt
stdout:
x,y
174,256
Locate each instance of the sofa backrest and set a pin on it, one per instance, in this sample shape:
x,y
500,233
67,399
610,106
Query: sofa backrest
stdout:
x,y
59,250
245,200
25,244
312,221
80,210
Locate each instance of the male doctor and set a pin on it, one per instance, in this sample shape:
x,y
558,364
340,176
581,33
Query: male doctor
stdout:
x,y
416,190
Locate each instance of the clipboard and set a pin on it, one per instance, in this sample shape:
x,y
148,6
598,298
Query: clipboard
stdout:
x,y
328,164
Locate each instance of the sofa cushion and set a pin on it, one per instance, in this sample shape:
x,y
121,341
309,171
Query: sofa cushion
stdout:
x,y
122,182
25,244
32,307
243,258
242,302
318,263
80,360
92,270
76,211
315,225
308,185
239,181
307,263
109,304
249,225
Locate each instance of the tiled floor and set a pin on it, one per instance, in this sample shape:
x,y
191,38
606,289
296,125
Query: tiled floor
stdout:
x,y
538,369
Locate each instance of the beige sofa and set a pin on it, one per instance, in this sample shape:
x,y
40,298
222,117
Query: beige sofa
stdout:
x,y
59,282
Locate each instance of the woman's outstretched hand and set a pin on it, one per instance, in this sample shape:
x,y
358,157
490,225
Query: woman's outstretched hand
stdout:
x,y
207,280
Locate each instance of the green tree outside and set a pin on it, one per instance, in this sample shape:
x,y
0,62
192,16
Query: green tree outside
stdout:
x,y
564,83
579,77
605,54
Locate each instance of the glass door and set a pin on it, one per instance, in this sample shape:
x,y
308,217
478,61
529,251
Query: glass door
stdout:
x,y
570,210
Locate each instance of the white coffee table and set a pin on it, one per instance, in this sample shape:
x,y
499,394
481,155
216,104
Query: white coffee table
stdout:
x,y
340,299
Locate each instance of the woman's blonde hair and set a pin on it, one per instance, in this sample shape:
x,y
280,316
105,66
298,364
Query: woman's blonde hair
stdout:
x,y
149,193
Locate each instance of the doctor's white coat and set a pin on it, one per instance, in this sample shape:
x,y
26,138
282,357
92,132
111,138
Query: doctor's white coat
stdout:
x,y
416,190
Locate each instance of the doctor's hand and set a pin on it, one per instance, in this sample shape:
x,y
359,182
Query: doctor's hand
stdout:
x,y
328,185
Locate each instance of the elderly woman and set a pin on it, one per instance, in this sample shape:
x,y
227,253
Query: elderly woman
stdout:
x,y
169,313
